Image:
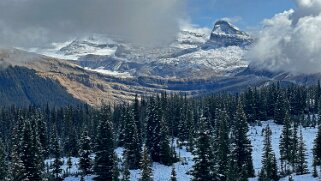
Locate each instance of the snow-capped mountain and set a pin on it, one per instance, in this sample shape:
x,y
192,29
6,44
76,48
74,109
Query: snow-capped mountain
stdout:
x,y
225,34
197,52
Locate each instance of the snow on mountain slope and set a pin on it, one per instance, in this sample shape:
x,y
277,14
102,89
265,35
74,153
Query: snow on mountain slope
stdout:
x,y
197,52
225,34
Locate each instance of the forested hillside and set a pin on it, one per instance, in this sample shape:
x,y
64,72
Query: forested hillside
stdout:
x,y
36,140
23,87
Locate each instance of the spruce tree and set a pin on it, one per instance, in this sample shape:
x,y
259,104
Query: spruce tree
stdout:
x,y
131,141
269,166
137,119
3,162
166,157
126,172
203,159
302,167
223,146
42,133
317,148
30,153
146,170
56,154
17,168
103,167
232,174
85,162
154,118
241,148
294,147
173,174
285,143
69,163
280,108
116,173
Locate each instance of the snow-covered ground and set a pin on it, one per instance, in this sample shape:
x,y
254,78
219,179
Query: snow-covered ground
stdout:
x,y
162,173
256,137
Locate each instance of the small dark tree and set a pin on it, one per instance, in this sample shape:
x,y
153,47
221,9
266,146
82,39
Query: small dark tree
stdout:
x,y
116,173
269,167
131,141
166,157
317,148
146,170
173,174
56,153
3,162
302,167
85,162
126,172
285,143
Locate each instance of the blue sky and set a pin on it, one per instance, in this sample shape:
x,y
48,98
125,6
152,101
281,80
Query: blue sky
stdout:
x,y
249,12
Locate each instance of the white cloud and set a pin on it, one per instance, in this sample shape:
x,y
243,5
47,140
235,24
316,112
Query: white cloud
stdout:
x,y
290,41
30,23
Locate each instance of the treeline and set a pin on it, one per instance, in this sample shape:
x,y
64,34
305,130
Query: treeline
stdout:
x,y
213,128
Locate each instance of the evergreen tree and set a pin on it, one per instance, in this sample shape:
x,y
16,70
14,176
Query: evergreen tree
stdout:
x,y
42,133
294,147
56,153
285,143
317,148
131,141
85,162
249,105
173,174
314,172
30,153
154,118
269,170
146,170
302,167
166,157
280,109
233,174
137,118
223,146
69,163
126,172
203,159
116,173
3,162
103,167
17,168
241,148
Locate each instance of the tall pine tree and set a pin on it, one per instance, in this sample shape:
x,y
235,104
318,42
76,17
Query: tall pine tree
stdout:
x,y
269,169
103,167
85,162
241,148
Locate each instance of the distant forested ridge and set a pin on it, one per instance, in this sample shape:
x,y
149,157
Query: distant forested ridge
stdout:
x,y
23,87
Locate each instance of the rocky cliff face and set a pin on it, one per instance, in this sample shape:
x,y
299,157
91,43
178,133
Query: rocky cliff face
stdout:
x,y
225,34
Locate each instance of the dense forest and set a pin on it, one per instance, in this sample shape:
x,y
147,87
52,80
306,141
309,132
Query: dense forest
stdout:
x,y
213,128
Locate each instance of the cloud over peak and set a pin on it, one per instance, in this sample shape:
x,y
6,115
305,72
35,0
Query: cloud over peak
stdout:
x,y
290,41
30,23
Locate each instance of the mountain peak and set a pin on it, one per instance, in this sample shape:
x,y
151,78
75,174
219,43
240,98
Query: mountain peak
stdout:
x,y
223,27
225,34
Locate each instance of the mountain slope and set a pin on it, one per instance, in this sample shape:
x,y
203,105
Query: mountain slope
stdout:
x,y
23,87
